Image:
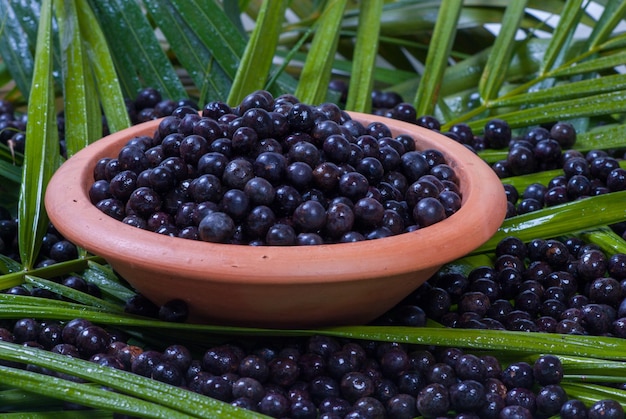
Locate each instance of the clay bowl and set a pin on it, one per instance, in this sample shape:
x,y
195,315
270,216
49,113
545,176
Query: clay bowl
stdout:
x,y
274,286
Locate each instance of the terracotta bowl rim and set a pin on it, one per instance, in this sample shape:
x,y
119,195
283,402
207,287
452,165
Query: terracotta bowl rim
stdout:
x,y
482,212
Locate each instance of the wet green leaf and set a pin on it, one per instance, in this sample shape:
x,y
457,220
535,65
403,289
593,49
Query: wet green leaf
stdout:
x,y
42,151
564,91
562,36
596,64
595,105
366,45
562,219
590,393
84,394
15,48
497,64
139,57
315,75
193,54
73,295
82,122
217,33
437,60
134,394
612,15
258,57
107,87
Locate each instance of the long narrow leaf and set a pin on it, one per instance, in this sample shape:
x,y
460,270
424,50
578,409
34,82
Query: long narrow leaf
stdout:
x,y
107,82
16,277
615,42
596,64
8,265
84,394
79,110
495,71
612,15
609,241
602,104
565,91
590,393
596,347
131,388
217,32
42,150
194,56
73,294
15,48
562,219
107,281
570,16
257,59
363,63
315,76
436,62
10,172
139,55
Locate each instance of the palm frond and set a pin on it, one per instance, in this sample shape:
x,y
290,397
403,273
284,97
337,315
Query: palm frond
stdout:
x,y
139,57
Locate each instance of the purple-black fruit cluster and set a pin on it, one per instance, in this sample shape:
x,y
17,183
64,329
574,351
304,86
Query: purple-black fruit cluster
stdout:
x,y
275,171
12,127
54,247
322,377
583,175
551,286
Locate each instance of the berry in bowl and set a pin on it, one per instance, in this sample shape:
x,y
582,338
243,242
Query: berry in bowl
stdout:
x,y
276,213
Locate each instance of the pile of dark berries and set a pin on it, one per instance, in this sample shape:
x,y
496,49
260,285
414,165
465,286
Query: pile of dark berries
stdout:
x,y
324,377
274,171
539,149
583,175
550,286
12,127
54,247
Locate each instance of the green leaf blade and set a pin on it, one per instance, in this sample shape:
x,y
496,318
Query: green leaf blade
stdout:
x,y
495,70
562,219
140,58
560,40
436,62
257,59
79,111
15,48
107,84
315,76
363,64
194,56
218,34
596,105
42,151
